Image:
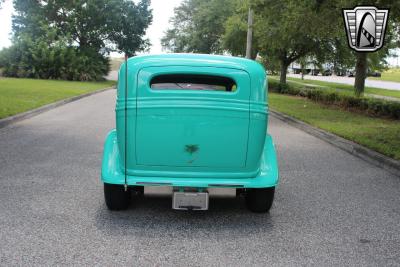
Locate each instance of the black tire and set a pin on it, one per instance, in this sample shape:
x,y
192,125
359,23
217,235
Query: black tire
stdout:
x,y
116,197
137,190
240,192
260,199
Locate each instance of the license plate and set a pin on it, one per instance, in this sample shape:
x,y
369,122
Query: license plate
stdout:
x,y
190,201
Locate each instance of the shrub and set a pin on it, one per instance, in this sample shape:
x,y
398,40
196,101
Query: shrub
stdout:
x,y
273,86
44,59
369,106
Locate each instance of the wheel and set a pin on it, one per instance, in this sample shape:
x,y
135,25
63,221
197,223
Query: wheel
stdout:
x,y
260,199
116,197
137,190
240,192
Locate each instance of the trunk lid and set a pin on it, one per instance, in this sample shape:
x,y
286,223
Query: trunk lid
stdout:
x,y
192,117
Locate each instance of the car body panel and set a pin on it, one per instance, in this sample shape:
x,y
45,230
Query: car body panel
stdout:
x,y
112,173
192,128
184,137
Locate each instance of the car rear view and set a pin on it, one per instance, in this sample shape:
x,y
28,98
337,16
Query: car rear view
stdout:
x,y
190,122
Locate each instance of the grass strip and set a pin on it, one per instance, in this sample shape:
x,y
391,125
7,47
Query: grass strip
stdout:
x,y
391,75
20,95
339,86
381,135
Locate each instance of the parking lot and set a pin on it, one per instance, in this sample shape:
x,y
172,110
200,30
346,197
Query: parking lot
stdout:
x,y
331,208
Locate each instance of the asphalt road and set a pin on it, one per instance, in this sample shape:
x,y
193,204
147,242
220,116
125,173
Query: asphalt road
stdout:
x,y
331,208
345,80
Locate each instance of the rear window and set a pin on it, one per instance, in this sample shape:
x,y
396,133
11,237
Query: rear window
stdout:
x,y
193,82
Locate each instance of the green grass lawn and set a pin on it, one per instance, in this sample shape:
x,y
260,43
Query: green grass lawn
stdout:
x,y
19,95
392,75
381,135
345,87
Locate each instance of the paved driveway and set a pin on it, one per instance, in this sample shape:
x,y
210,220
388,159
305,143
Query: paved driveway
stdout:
x,y
331,208
349,80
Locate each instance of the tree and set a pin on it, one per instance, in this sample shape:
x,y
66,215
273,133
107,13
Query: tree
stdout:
x,y
84,29
334,50
234,37
304,61
177,39
289,30
116,25
49,57
215,26
371,61
284,31
198,26
375,59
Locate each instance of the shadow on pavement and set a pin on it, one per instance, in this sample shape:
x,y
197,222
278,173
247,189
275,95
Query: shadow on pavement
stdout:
x,y
150,216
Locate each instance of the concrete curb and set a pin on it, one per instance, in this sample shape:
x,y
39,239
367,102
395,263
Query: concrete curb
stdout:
x,y
30,113
375,158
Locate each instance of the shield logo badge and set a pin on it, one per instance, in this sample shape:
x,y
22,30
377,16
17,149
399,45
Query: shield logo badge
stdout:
x,y
365,26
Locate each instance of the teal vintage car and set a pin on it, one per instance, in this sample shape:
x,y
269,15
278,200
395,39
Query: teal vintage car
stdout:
x,y
190,122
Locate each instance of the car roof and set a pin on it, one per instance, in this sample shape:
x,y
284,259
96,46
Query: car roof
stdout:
x,y
188,59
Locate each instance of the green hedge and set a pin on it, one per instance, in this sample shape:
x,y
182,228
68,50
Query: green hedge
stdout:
x,y
369,106
44,58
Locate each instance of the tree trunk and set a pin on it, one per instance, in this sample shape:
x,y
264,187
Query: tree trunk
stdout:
x,y
254,53
361,73
284,67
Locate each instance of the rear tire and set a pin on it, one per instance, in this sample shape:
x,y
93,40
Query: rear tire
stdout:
x,y
260,199
116,197
138,190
